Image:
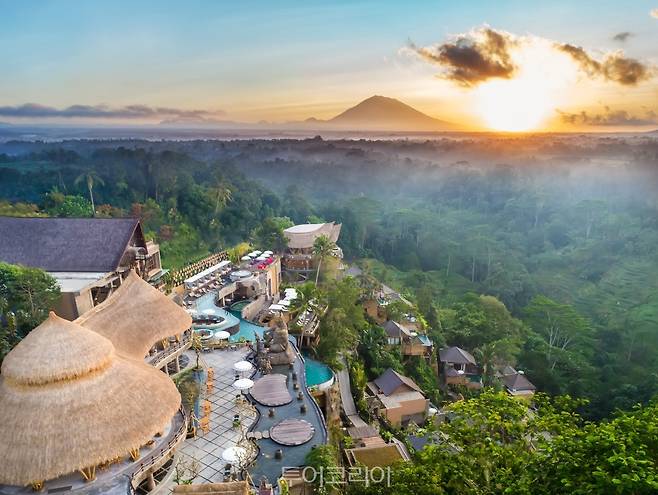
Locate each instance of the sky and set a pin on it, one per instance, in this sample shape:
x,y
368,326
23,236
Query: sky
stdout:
x,y
508,65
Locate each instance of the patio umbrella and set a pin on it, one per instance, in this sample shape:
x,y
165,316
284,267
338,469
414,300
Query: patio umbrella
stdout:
x,y
242,366
268,253
222,335
258,252
243,384
235,455
245,258
284,302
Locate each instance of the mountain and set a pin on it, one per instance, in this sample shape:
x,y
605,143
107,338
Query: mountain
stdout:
x,y
382,113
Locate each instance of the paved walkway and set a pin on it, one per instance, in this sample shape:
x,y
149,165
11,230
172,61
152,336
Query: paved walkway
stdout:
x,y
346,397
206,449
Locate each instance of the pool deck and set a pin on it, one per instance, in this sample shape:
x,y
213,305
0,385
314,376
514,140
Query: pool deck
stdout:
x,y
207,449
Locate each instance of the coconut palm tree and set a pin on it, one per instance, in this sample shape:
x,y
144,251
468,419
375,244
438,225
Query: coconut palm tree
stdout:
x,y
222,195
90,178
323,247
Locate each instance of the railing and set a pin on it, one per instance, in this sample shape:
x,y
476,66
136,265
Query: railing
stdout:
x,y
161,356
177,438
177,277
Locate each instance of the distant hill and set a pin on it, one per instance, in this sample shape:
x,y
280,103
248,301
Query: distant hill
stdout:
x,y
382,113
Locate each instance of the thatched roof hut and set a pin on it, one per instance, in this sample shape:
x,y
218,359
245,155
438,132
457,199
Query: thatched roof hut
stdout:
x,y
68,401
135,317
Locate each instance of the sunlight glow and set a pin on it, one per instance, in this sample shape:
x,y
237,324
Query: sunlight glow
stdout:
x,y
526,101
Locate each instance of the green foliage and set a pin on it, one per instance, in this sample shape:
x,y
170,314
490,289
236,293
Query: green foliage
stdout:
x,y
324,460
495,445
343,322
60,205
26,296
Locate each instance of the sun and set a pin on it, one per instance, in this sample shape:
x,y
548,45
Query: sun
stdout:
x,y
527,100
513,105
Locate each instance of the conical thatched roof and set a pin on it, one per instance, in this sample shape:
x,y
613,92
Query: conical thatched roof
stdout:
x,y
68,401
135,317
59,350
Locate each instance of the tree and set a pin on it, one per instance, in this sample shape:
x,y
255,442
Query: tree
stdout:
x,y
560,325
90,178
323,247
269,233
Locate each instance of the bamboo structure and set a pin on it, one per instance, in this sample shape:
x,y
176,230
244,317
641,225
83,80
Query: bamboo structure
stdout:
x,y
69,401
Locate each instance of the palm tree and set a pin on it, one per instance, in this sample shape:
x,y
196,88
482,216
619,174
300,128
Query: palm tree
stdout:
x,y
222,195
91,178
323,247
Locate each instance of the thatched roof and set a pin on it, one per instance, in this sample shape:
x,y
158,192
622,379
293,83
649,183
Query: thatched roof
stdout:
x,y
59,414
304,235
135,317
68,244
229,488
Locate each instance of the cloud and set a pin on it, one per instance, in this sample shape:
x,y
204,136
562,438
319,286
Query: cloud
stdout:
x,y
609,117
613,67
471,58
35,110
622,37
654,13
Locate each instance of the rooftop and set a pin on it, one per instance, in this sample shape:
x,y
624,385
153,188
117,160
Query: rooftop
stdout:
x,y
67,244
456,355
389,381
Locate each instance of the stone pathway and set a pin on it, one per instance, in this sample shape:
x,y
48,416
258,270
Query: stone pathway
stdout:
x,y
207,448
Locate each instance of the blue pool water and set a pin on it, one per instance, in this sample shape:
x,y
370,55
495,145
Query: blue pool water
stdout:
x,y
231,319
316,372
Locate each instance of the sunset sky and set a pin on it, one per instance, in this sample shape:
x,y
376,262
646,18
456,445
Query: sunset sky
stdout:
x,y
508,65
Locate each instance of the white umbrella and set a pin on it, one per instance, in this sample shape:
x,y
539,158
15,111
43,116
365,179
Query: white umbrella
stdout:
x,y
242,366
245,258
276,307
243,384
261,258
222,335
258,252
234,455
284,302
268,253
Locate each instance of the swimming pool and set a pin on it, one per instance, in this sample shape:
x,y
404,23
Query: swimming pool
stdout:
x,y
239,306
246,329
317,373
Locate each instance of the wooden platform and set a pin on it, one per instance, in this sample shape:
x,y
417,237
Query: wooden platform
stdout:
x,y
271,390
292,432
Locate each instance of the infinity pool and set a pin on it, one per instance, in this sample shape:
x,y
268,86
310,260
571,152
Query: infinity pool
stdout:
x,y
316,372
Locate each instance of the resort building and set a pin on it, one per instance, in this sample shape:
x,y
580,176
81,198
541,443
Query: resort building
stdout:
x,y
408,337
89,257
397,398
299,254
458,367
516,383
81,402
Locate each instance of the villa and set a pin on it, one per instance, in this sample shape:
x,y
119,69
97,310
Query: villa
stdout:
x,y
88,257
459,367
397,398
408,338
516,383
299,258
83,400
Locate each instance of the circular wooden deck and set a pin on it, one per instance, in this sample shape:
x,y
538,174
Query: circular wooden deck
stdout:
x,y
292,432
271,390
